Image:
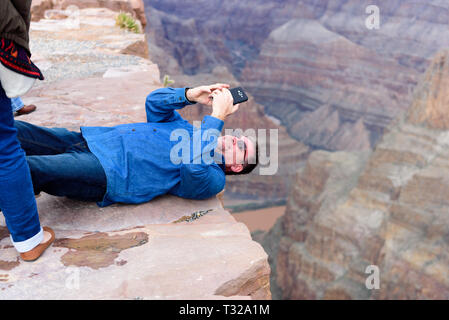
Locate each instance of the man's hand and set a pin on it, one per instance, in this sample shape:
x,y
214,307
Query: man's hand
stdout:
x,y
203,94
223,104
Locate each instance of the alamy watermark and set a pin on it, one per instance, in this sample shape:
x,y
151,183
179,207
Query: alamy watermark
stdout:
x,y
372,22
72,14
373,280
72,282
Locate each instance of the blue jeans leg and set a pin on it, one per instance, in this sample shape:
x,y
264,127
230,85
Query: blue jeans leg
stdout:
x,y
76,175
42,141
16,191
61,163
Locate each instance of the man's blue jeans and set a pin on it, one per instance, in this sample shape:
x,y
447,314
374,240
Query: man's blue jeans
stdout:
x,y
17,200
61,163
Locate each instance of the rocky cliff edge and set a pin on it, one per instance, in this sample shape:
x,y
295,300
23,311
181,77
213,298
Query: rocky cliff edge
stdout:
x,y
168,248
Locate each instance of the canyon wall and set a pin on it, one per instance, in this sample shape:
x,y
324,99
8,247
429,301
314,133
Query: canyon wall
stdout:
x,y
334,83
339,86
389,209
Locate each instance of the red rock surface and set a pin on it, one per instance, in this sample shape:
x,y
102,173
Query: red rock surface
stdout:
x,y
138,252
135,7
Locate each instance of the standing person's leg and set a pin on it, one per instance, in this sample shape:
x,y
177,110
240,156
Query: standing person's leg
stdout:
x,y
20,109
16,193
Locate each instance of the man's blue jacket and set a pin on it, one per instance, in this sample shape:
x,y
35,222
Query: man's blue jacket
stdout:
x,y
136,156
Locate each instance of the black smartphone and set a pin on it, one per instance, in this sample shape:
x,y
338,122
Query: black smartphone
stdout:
x,y
239,95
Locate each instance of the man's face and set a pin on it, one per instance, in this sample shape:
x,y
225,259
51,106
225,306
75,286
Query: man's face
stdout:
x,y
236,150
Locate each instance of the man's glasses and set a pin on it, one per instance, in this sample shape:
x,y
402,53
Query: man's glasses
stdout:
x,y
242,146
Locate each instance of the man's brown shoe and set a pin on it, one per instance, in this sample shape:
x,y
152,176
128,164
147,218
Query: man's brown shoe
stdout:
x,y
26,110
35,253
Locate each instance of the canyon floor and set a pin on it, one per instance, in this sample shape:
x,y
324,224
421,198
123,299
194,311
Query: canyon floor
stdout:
x,y
261,219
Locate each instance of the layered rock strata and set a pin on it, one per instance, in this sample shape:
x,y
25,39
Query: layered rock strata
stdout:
x,y
350,212
315,65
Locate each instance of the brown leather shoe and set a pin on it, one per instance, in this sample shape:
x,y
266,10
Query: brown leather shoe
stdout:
x,y
26,110
35,253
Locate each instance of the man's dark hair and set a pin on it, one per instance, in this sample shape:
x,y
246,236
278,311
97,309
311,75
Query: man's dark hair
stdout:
x,y
249,167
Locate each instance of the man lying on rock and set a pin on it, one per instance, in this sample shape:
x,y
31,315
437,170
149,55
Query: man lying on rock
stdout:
x,y
133,163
